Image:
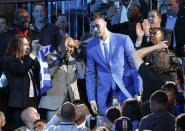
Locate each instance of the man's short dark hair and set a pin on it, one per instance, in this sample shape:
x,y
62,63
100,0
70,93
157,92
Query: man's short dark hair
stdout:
x,y
159,97
113,113
170,87
18,11
68,111
132,109
180,121
97,16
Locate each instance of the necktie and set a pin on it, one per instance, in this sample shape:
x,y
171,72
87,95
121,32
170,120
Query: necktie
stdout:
x,y
107,59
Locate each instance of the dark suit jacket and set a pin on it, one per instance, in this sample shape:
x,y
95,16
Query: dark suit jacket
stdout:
x,y
179,31
126,28
18,79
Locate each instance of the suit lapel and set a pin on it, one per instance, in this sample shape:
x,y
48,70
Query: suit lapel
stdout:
x,y
112,45
112,48
99,51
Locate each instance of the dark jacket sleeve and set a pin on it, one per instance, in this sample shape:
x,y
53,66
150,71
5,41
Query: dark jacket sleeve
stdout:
x,y
15,66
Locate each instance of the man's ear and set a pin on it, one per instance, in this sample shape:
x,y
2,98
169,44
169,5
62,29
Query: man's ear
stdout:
x,y
4,122
105,24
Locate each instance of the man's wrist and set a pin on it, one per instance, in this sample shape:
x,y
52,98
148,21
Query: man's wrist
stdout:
x,y
156,47
138,43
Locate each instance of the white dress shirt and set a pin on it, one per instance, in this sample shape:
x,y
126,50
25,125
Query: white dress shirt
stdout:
x,y
107,42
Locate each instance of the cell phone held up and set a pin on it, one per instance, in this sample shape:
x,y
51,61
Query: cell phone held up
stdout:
x,y
116,3
92,122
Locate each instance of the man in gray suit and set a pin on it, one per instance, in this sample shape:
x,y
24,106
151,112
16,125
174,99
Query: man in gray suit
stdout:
x,y
64,80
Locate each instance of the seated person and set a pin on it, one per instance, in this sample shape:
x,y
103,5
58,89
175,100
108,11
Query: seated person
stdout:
x,y
28,116
160,119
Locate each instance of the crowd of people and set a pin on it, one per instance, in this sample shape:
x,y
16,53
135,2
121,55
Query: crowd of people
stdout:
x,y
126,73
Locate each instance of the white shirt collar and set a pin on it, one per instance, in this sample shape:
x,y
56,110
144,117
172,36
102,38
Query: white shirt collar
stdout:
x,y
81,125
107,41
27,129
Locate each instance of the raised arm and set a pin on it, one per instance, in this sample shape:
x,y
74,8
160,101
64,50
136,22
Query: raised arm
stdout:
x,y
141,53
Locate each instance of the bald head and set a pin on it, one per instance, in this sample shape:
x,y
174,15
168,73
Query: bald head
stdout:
x,y
30,114
68,112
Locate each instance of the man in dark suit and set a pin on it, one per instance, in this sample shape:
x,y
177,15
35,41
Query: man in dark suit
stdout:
x,y
174,20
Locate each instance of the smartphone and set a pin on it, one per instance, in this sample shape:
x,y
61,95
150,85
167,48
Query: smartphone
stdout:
x,y
92,122
116,3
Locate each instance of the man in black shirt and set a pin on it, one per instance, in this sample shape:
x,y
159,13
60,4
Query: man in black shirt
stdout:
x,y
160,119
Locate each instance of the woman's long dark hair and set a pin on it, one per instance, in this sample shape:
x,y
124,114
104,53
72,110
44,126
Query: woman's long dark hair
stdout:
x,y
14,47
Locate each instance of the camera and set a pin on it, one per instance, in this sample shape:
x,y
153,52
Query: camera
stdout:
x,y
176,63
